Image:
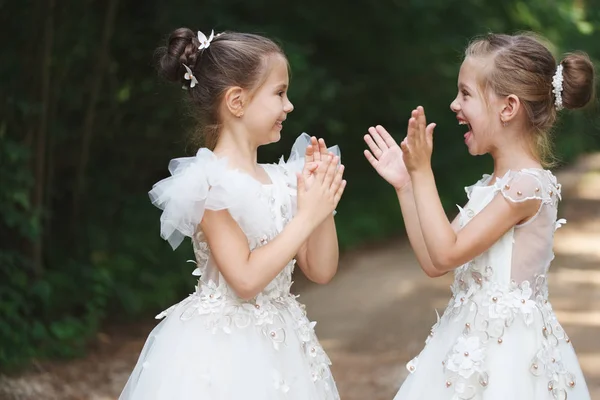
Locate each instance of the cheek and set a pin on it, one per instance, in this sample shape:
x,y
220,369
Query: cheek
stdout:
x,y
469,106
477,114
273,105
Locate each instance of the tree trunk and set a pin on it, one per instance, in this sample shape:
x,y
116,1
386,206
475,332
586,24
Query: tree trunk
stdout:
x,y
59,81
90,115
40,150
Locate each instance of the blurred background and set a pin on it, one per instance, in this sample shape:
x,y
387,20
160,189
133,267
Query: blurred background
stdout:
x,y
86,128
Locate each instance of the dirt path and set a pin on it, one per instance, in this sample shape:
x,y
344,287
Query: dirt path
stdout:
x,y
376,313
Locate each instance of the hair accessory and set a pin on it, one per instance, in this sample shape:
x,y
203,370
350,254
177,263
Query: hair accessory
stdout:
x,y
557,83
204,42
189,76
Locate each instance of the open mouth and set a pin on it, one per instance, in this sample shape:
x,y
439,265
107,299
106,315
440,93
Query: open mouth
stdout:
x,y
469,133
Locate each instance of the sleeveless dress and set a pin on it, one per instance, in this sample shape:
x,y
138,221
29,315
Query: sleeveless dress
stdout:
x,y
499,338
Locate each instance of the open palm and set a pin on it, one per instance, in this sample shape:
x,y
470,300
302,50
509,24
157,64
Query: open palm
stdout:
x,y
316,153
386,157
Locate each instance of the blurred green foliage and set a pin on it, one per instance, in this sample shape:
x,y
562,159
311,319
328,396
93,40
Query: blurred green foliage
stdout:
x,y
86,128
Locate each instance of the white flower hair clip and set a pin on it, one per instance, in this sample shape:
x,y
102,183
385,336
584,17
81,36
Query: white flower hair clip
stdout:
x,y
189,76
204,42
557,83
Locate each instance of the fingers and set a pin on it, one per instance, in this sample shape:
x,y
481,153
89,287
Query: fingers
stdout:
x,y
375,150
309,151
424,134
411,134
414,114
311,167
338,194
422,121
300,182
371,158
331,170
323,166
337,179
378,139
309,154
323,148
387,138
429,133
414,126
404,146
338,185
315,148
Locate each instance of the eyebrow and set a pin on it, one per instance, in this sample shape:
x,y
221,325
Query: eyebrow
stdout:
x,y
462,86
282,86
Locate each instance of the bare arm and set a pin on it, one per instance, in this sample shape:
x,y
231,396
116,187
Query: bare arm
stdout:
x,y
413,230
249,272
448,249
387,159
318,257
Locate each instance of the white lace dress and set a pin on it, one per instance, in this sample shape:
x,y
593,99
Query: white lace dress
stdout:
x,y
214,345
499,338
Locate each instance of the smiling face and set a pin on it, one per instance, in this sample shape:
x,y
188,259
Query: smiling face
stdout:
x,y
474,107
269,105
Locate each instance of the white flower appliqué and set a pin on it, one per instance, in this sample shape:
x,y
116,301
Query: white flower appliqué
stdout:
x,y
559,223
467,357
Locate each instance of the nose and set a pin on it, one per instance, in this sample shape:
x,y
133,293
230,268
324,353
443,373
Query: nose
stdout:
x,y
454,106
289,107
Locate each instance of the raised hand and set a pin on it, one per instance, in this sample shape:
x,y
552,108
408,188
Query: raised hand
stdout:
x,y
417,147
318,201
316,152
386,157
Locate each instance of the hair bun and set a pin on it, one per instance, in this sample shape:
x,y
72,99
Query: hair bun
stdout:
x,y
578,80
182,48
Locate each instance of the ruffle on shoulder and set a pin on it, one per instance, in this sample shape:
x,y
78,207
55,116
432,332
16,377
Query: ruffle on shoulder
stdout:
x,y
205,182
195,185
469,189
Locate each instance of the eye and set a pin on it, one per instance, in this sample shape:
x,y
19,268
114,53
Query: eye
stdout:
x,y
465,93
281,93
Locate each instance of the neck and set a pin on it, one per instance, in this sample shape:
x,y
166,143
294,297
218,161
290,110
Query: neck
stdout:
x,y
239,150
513,153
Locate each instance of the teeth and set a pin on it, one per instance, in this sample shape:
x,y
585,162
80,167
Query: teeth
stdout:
x,y
462,122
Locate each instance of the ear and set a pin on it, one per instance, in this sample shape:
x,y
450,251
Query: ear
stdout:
x,y
234,100
510,108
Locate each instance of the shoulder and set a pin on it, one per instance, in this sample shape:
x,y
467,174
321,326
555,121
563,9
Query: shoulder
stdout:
x,y
529,184
199,183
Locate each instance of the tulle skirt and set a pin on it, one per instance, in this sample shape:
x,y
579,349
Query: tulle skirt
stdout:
x,y
498,354
264,350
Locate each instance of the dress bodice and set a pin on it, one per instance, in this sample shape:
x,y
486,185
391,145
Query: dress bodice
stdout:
x,y
524,253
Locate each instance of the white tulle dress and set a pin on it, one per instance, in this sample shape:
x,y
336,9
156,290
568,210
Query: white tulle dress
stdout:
x,y
499,338
214,345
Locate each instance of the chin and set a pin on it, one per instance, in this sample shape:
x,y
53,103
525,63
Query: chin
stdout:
x,y
275,137
477,152
474,151
269,138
